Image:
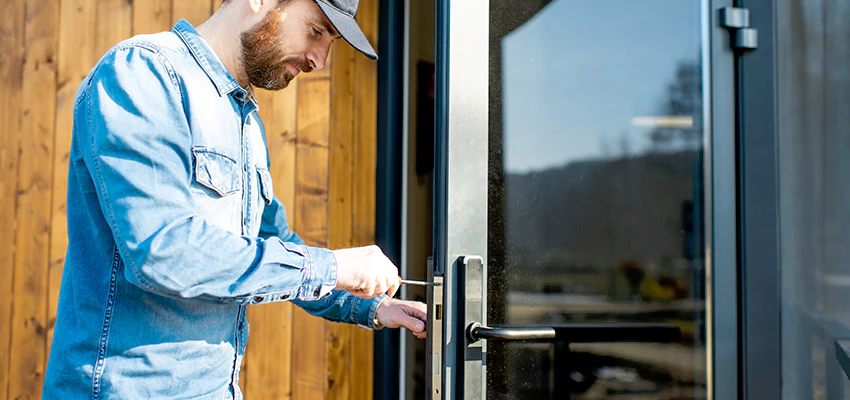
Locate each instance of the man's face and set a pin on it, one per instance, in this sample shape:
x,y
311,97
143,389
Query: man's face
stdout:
x,y
290,39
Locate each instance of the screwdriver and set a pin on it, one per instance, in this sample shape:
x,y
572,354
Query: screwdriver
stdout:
x,y
418,283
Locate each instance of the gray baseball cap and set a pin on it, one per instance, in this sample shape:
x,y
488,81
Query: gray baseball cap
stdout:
x,y
341,14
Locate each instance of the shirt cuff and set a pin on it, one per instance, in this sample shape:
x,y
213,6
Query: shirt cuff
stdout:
x,y
320,272
366,312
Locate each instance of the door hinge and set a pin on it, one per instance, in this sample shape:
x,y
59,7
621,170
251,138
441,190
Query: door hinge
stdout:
x,y
737,21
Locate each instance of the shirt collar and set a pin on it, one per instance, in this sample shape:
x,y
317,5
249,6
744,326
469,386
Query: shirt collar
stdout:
x,y
205,56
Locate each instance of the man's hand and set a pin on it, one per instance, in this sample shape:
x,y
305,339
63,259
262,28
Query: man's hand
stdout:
x,y
394,313
366,272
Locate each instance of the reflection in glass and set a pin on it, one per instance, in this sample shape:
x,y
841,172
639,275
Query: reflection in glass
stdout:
x,y
812,102
596,176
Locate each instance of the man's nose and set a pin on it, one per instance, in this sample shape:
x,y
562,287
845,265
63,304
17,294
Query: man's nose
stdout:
x,y
317,59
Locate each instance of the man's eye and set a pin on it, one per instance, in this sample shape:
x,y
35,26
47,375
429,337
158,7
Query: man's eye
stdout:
x,y
317,32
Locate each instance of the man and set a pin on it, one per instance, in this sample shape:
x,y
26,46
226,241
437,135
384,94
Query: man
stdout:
x,y
172,220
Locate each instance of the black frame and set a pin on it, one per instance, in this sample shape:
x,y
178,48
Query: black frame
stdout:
x,y
758,212
388,178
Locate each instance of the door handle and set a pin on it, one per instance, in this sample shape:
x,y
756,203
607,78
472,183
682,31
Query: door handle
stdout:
x,y
578,332
476,332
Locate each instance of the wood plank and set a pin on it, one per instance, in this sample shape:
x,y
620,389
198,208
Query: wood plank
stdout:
x,y
362,363
311,181
35,176
365,130
151,16
282,142
267,372
194,11
338,336
308,361
308,347
76,58
77,34
338,355
342,118
267,364
114,24
12,19
365,158
311,196
311,222
314,113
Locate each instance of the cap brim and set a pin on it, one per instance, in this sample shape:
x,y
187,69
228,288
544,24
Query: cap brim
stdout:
x,y
348,28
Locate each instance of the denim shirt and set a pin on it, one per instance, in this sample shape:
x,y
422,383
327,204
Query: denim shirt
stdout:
x,y
173,229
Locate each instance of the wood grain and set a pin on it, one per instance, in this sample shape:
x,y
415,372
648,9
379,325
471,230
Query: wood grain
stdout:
x,y
313,113
151,16
114,24
311,223
194,11
365,159
35,175
12,24
338,336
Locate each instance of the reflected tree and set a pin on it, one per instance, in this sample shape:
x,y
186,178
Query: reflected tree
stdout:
x,y
683,103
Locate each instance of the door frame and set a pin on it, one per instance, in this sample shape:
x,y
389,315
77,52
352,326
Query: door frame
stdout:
x,y
722,311
460,223
758,209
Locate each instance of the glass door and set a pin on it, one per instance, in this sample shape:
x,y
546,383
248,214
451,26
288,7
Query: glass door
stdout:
x,y
582,157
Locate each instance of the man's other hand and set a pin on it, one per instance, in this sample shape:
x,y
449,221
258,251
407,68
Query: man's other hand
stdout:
x,y
366,272
394,313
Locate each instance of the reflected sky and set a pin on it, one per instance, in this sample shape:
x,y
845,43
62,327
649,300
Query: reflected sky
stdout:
x,y
579,71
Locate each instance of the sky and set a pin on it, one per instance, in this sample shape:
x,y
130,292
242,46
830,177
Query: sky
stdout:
x,y
578,72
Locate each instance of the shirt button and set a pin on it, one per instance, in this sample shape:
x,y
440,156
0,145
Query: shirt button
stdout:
x,y
317,292
286,296
245,221
259,299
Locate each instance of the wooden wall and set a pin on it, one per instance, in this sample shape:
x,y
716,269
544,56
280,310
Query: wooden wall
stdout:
x,y
321,134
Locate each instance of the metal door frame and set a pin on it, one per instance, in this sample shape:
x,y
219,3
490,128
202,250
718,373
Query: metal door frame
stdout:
x,y
758,209
461,179
460,225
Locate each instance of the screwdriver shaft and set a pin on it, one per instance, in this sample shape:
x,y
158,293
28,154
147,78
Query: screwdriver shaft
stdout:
x,y
418,283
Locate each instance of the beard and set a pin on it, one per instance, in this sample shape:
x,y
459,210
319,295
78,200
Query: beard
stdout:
x,y
264,55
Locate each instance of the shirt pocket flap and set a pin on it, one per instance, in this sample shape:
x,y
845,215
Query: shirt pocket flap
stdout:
x,y
216,170
266,185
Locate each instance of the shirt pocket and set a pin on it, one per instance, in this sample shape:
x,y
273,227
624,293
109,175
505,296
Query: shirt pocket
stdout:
x,y
216,171
266,188
217,187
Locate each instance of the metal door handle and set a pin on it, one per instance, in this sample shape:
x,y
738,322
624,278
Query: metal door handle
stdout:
x,y
579,332
476,332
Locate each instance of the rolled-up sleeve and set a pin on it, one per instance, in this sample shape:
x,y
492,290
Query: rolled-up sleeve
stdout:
x,y
338,305
136,145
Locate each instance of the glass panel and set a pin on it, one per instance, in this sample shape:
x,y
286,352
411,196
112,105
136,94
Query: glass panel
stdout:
x,y
813,96
596,188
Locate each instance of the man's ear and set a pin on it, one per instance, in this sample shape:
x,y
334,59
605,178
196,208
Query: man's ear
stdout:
x,y
256,6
